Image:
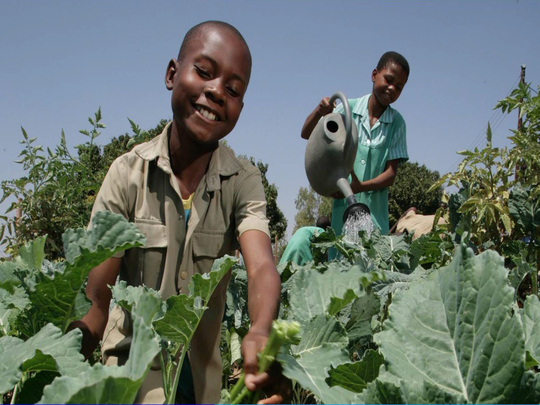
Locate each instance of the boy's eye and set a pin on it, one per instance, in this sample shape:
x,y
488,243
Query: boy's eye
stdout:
x,y
233,92
202,72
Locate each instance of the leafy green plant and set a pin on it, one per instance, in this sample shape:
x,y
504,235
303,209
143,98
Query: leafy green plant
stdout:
x,y
39,299
456,338
485,174
176,320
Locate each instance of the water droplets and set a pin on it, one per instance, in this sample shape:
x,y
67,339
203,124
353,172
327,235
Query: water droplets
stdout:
x,y
357,221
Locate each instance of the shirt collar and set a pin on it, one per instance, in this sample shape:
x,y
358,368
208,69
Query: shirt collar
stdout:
x,y
222,163
361,109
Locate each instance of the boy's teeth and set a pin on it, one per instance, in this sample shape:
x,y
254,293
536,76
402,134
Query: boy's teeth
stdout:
x,y
207,114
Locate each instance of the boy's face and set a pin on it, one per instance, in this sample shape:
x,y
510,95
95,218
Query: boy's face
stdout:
x,y
388,83
208,85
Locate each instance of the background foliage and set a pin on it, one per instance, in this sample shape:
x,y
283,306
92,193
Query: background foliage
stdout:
x,y
310,206
58,189
410,189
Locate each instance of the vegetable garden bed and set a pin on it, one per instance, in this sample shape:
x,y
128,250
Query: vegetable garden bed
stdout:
x,y
390,322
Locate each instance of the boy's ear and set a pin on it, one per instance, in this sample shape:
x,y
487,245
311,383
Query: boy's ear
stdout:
x,y
373,74
172,69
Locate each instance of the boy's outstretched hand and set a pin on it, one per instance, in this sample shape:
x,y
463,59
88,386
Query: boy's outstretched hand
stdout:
x,y
273,381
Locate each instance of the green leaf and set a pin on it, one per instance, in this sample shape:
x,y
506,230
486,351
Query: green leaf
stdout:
x,y
529,392
456,332
319,330
181,319
236,345
310,370
185,312
31,257
55,298
321,346
531,326
382,391
32,254
8,278
524,210
236,313
386,249
11,304
355,376
312,293
128,296
111,384
32,389
362,311
48,350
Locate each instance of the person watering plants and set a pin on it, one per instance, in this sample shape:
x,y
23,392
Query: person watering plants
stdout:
x,y
195,202
382,143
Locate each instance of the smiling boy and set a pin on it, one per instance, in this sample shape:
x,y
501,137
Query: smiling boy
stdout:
x,y
195,202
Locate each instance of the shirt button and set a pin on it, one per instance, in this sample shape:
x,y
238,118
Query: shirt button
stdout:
x,y
363,162
368,141
183,275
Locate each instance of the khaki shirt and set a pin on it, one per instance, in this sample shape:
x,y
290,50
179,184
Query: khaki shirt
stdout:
x,y
229,200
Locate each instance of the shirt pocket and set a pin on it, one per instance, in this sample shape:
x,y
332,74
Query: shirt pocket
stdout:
x,y
378,142
211,244
151,256
207,247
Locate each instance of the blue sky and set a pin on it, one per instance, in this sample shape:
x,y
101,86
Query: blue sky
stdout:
x,y
61,60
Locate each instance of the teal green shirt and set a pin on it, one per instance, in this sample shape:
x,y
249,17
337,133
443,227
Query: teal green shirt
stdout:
x,y
298,249
385,141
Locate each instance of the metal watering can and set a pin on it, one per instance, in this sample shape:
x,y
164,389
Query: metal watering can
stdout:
x,y
330,154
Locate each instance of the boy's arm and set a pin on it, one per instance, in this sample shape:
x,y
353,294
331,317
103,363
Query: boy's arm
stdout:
x,y
320,111
264,287
94,322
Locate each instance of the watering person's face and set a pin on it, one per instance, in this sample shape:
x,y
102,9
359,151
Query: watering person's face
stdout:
x,y
388,83
208,85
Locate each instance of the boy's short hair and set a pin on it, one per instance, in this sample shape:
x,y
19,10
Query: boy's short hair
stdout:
x,y
393,57
211,23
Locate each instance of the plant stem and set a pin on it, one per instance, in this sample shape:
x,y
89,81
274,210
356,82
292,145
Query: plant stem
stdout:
x,y
163,373
14,395
238,386
172,393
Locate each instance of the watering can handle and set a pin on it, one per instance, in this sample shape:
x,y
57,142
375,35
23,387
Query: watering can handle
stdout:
x,y
348,117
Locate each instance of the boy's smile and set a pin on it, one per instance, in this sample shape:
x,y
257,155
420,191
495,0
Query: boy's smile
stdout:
x,y
208,84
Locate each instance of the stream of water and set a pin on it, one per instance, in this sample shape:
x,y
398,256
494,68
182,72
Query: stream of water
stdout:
x,y
357,221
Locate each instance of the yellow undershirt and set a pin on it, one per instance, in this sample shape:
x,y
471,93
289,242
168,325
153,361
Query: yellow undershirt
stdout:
x,y
187,205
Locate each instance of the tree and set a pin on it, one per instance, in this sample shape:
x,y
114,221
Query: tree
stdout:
x,y
278,222
410,189
58,189
310,206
